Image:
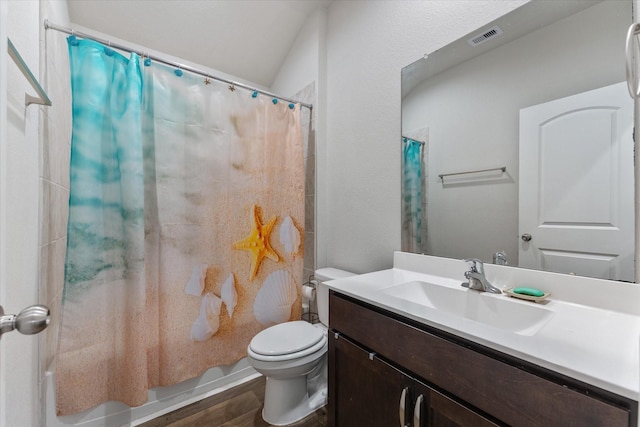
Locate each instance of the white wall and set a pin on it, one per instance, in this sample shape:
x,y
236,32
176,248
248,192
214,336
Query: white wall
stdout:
x,y
368,43
301,69
472,113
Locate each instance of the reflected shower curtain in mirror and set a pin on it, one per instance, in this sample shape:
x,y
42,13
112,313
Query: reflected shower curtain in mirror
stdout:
x,y
185,215
413,231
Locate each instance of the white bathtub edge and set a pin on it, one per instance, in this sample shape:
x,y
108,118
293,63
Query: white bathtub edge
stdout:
x,y
162,400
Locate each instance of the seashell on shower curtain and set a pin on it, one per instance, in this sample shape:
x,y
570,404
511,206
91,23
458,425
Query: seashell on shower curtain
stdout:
x,y
168,175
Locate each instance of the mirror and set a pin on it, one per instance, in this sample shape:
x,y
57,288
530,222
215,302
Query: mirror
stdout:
x,y
524,146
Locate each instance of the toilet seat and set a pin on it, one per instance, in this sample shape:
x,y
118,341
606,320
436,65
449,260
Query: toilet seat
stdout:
x,y
286,341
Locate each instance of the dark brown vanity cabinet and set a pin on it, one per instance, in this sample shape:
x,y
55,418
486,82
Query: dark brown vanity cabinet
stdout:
x,y
379,394
387,371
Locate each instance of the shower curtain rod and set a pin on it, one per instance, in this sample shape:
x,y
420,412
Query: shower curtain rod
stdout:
x,y
50,26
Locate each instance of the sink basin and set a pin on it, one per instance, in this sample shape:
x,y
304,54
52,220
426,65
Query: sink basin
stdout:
x,y
499,311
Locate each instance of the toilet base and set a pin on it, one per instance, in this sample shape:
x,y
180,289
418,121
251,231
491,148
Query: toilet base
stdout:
x,y
287,401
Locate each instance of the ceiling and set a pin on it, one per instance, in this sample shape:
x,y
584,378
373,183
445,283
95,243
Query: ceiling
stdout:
x,y
520,21
248,39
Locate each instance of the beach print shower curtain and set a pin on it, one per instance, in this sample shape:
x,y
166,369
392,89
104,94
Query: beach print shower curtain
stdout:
x,y
412,196
186,213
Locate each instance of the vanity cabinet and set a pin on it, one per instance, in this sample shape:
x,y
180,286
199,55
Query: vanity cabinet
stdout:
x,y
385,369
380,394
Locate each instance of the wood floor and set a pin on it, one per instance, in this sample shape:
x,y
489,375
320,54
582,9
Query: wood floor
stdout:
x,y
240,406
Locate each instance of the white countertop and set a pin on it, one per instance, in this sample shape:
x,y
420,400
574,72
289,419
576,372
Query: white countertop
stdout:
x,y
598,346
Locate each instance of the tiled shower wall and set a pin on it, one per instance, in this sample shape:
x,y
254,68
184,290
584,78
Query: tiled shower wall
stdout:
x,y
55,128
55,139
308,95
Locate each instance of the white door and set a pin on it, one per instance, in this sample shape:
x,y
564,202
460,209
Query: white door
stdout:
x,y
3,140
19,206
576,185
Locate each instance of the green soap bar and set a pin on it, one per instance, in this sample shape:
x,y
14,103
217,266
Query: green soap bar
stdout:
x,y
528,291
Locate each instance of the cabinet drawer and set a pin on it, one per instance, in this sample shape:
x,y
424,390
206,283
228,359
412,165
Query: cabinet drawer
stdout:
x,y
513,395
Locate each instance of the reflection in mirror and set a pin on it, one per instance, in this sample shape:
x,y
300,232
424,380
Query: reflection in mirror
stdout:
x,y
529,125
413,195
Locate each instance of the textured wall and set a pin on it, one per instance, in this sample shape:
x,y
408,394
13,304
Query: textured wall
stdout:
x,y
368,43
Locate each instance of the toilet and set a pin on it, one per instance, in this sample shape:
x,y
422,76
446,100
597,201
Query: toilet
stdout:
x,y
293,358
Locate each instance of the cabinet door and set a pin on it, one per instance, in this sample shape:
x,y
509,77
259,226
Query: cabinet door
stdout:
x,y
445,412
363,390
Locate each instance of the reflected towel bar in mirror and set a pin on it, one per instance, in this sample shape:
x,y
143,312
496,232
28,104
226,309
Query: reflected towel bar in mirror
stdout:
x,y
406,138
502,168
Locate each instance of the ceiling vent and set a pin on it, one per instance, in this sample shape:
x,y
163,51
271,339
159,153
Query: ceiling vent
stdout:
x,y
486,35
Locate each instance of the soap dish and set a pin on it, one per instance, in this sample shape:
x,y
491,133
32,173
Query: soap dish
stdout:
x,y
510,292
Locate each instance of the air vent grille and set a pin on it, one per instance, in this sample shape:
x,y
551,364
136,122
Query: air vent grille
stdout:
x,y
486,35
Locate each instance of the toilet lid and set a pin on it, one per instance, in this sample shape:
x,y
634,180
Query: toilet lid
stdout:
x,y
286,338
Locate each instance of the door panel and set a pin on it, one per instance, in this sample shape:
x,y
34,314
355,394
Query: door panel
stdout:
x,y
369,390
576,196
3,139
19,212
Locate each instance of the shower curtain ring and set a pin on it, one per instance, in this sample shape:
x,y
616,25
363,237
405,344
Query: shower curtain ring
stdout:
x,y
108,51
73,41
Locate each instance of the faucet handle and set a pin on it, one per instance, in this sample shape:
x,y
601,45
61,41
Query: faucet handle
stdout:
x,y
475,265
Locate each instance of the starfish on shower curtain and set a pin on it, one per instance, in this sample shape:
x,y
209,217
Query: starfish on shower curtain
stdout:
x,y
257,242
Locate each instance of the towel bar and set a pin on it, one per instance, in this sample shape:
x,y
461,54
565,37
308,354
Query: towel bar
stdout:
x,y
502,168
42,98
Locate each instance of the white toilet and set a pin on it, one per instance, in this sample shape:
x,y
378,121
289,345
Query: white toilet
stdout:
x,y
292,356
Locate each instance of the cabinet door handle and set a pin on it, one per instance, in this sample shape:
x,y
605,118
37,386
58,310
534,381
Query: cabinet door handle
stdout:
x,y
416,412
403,405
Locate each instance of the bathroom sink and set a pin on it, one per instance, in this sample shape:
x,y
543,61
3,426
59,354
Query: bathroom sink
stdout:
x,y
499,311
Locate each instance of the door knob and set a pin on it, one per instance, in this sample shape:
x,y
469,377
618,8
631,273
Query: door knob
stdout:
x,y
31,320
526,237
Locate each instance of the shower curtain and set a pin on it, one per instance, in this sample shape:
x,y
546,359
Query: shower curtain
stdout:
x,y
185,215
412,196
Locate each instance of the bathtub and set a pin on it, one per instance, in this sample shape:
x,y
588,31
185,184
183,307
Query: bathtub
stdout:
x,y
162,400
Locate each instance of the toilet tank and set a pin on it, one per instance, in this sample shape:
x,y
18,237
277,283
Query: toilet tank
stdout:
x,y
323,275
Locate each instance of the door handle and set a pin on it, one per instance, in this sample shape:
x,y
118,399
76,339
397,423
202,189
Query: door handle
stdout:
x,y
526,237
417,412
31,320
633,82
403,405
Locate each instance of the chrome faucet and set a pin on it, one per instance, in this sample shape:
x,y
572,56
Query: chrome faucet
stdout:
x,y
476,277
500,258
